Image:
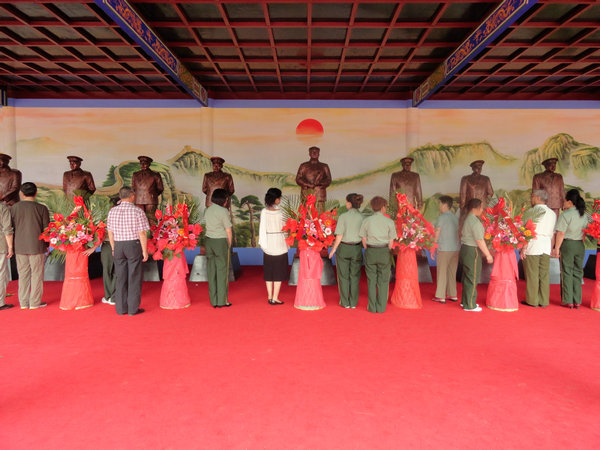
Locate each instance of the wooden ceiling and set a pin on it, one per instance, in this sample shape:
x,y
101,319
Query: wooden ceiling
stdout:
x,y
299,50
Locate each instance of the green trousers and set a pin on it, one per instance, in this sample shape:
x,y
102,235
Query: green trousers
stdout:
x,y
571,271
217,268
537,275
378,269
108,270
470,259
348,260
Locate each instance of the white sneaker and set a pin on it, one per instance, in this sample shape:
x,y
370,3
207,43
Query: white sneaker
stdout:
x,y
108,301
41,305
477,308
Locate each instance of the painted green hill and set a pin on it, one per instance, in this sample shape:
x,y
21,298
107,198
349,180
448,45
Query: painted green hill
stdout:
x,y
197,163
436,160
582,159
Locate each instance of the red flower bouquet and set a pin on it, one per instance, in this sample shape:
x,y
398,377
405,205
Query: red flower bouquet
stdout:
x,y
173,233
75,232
593,228
313,229
413,230
504,232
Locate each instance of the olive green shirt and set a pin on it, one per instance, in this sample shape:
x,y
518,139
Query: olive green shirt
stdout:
x,y
472,230
348,225
6,228
572,224
217,220
378,229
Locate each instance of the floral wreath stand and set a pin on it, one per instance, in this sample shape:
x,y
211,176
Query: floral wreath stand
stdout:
x,y
309,293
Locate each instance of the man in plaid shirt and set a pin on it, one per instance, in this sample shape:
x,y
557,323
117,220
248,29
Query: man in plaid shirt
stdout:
x,y
127,230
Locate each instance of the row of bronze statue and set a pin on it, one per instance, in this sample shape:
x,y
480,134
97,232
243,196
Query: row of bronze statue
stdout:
x,y
313,177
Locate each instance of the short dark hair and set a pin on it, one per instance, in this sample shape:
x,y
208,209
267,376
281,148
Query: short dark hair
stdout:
x,y
355,200
125,192
446,200
219,197
272,195
472,204
29,189
377,203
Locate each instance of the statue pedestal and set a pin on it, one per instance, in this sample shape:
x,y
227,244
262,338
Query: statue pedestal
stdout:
x,y
200,274
150,270
54,270
328,277
554,270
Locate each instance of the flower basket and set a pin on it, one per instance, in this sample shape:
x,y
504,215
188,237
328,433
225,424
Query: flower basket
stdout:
x,y
171,235
505,234
414,233
74,235
593,231
314,231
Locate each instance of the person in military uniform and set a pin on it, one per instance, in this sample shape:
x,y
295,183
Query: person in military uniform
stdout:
x,y
217,179
218,243
378,233
10,181
349,251
408,183
552,183
314,176
147,185
77,181
569,247
472,245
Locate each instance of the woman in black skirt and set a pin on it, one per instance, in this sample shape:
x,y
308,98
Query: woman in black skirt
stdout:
x,y
272,241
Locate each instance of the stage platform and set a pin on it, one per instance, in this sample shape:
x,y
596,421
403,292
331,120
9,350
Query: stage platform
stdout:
x,y
262,376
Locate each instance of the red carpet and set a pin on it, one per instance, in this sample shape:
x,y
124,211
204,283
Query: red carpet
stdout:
x,y
261,376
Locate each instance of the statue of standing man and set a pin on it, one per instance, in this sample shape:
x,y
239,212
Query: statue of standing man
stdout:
x,y
475,186
217,179
10,181
314,176
552,183
147,185
77,181
408,183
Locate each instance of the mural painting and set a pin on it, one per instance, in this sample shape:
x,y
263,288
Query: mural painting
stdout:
x,y
263,148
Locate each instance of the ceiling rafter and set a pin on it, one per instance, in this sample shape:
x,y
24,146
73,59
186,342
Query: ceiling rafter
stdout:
x,y
299,49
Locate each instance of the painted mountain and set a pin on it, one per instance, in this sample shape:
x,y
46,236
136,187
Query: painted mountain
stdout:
x,y
430,160
582,159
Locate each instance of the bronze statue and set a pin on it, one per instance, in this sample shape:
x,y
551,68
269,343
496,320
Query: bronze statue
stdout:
x,y
77,181
314,176
475,186
217,179
147,185
408,183
10,181
552,183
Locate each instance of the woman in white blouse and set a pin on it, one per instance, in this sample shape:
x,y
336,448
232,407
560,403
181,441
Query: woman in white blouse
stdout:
x,y
272,241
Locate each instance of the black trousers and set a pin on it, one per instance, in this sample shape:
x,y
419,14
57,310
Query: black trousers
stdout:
x,y
128,270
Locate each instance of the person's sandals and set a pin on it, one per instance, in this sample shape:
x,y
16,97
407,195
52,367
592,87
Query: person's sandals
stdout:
x,y
275,302
439,300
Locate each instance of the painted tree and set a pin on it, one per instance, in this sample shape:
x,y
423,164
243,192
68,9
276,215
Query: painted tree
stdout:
x,y
253,205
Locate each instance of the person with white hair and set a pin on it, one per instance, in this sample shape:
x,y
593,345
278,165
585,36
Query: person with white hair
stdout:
x,y
536,254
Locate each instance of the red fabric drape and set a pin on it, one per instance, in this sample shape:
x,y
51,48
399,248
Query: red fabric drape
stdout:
x,y
76,291
406,293
309,294
502,290
595,303
174,293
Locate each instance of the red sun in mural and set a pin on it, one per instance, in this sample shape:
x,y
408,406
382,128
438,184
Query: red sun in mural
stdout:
x,y
309,131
